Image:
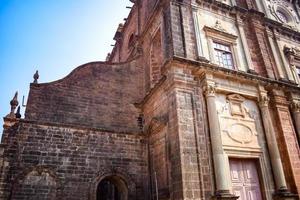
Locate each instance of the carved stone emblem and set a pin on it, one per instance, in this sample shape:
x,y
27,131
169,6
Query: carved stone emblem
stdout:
x,y
219,26
236,105
240,133
238,125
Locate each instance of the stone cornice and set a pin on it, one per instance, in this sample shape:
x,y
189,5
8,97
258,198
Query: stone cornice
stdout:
x,y
214,30
202,66
282,29
236,74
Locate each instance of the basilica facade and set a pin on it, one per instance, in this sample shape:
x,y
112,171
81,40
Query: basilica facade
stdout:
x,y
199,99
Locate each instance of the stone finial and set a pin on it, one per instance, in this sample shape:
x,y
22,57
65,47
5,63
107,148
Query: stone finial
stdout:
x,y
219,26
13,104
108,57
18,114
36,77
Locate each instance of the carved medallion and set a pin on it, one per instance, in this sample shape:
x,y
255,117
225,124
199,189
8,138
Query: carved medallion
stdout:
x,y
240,133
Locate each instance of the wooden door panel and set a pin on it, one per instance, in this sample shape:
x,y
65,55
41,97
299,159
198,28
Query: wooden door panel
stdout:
x,y
245,180
252,193
238,191
236,172
250,173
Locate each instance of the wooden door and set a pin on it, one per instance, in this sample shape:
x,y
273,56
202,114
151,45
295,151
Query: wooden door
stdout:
x,y
245,180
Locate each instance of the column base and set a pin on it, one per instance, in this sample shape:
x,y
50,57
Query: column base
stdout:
x,y
284,194
224,195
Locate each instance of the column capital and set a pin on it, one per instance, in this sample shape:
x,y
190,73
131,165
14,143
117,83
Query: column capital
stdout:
x,y
240,21
209,90
295,105
264,100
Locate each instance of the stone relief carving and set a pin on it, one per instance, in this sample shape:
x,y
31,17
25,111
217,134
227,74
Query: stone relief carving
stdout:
x,y
209,90
264,100
295,105
292,53
237,122
217,30
219,26
283,12
293,56
240,133
236,105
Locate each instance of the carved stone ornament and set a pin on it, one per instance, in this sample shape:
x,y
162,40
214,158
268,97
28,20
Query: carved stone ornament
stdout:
x,y
218,30
218,26
264,100
283,11
36,77
13,105
241,133
292,53
210,90
236,105
295,105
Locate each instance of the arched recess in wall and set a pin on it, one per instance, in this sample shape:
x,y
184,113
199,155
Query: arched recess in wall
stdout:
x,y
156,58
112,183
36,183
112,187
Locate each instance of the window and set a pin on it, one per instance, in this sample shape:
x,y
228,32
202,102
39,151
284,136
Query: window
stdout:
x,y
222,46
223,55
281,16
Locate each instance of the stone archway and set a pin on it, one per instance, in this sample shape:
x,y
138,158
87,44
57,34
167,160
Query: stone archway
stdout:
x,y
112,188
118,178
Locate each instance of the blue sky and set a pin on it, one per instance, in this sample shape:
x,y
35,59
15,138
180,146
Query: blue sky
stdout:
x,y
54,37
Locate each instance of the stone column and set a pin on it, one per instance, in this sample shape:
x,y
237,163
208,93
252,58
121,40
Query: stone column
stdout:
x,y
240,25
296,115
272,144
222,186
275,52
285,65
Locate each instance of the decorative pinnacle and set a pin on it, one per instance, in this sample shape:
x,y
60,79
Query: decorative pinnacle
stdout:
x,y
13,104
18,114
36,76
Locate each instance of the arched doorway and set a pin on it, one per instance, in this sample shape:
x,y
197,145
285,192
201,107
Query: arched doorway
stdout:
x,y
112,188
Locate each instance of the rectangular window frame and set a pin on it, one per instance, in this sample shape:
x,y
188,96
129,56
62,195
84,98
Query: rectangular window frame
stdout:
x,y
230,51
214,35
